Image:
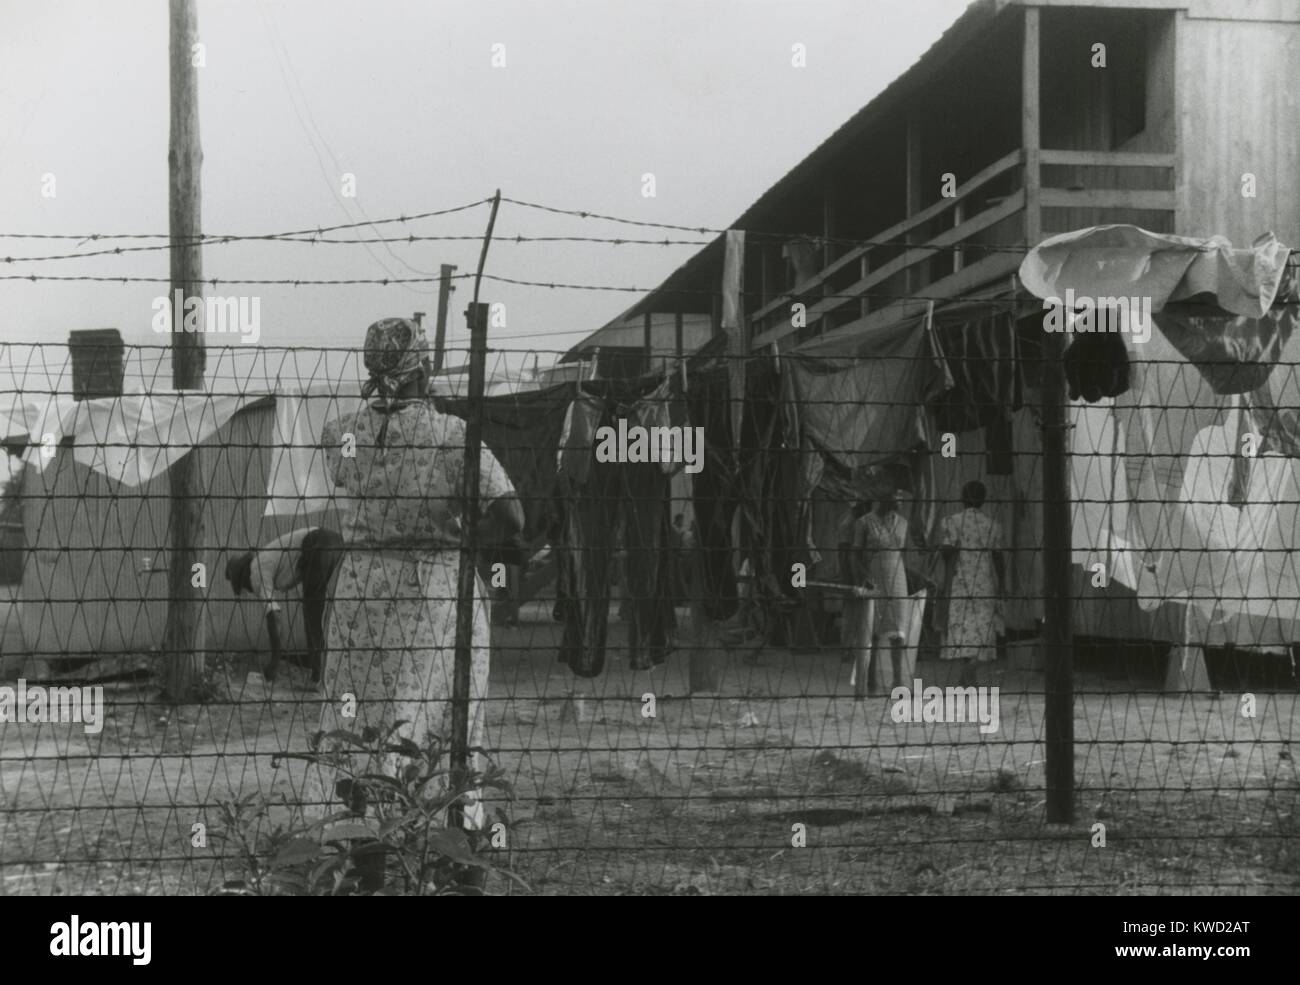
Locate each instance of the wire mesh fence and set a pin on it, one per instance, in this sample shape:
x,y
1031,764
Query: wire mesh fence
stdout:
x,y
770,624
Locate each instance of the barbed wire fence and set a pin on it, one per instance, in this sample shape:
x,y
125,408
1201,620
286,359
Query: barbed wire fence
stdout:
x,y
683,694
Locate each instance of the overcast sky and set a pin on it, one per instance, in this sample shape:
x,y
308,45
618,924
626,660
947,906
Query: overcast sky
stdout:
x,y
404,95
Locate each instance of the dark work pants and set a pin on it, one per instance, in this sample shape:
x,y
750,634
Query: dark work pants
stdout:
x,y
647,534
715,496
639,494
584,568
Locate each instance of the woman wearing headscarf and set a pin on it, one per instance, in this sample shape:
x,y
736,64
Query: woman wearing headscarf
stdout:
x,y
880,537
971,545
398,465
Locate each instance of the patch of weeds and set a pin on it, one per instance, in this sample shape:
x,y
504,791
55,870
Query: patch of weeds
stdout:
x,y
393,841
838,773
1005,781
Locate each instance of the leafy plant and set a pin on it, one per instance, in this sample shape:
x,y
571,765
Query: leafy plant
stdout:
x,y
393,841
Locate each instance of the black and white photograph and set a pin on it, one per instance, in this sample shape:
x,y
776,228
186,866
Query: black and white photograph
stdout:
x,y
652,448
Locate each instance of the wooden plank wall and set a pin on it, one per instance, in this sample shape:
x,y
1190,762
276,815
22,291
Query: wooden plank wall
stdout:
x,y
1239,108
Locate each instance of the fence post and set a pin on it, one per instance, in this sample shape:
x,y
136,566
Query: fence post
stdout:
x,y
1057,605
704,669
476,315
444,295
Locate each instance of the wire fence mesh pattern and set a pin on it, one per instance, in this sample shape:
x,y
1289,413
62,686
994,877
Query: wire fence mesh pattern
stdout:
x,y
704,662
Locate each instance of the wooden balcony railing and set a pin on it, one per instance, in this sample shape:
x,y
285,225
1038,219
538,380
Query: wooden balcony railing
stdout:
x,y
824,300
867,284
1101,186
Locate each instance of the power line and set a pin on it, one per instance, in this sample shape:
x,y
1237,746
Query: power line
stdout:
x,y
285,64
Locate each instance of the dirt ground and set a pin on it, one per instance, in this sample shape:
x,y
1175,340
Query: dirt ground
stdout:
x,y
704,797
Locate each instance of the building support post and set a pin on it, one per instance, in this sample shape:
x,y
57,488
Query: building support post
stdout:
x,y
1058,609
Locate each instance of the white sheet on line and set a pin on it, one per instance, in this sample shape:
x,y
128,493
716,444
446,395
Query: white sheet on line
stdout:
x,y
297,481
131,439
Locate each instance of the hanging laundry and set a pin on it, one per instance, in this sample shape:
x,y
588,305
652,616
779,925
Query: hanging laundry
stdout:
x,y
523,432
1218,336
19,415
1167,407
1266,536
296,483
132,439
584,559
984,364
734,319
1235,355
982,356
578,438
1122,261
1096,366
773,536
715,491
1278,427
647,576
1000,454
860,400
598,499
812,464
804,256
664,407
1239,488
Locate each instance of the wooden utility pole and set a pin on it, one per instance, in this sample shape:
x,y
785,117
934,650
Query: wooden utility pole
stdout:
x,y
444,295
184,636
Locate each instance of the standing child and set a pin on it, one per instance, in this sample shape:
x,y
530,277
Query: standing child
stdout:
x,y
881,538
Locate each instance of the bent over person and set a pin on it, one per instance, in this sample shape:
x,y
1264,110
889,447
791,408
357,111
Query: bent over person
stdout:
x,y
304,558
398,465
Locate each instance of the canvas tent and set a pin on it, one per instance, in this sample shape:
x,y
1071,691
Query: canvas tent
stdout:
x,y
95,508
95,504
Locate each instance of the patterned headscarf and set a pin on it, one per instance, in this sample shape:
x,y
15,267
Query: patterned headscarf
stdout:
x,y
396,351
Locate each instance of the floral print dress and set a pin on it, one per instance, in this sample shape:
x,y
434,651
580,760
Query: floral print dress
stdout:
x,y
391,630
884,540
972,612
